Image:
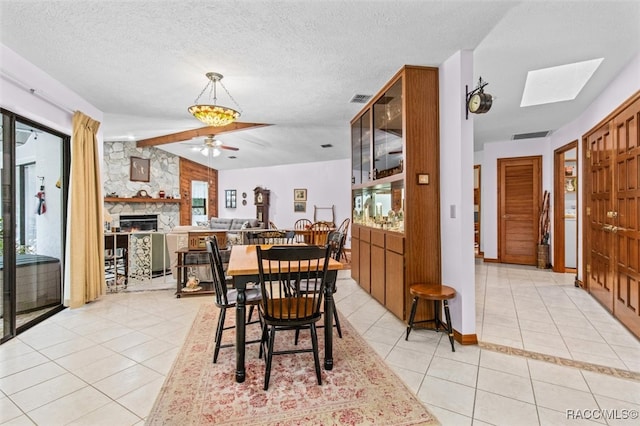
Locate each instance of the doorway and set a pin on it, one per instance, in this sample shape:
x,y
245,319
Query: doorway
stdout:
x,y
476,210
519,197
35,162
565,208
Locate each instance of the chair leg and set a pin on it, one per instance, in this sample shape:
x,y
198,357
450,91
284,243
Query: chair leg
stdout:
x,y
263,340
335,316
449,325
223,313
267,371
414,305
316,357
436,311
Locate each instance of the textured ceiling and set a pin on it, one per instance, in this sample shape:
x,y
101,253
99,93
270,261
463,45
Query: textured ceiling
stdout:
x,y
296,64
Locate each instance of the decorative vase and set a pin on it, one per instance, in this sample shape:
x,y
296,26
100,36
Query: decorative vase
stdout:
x,y
543,256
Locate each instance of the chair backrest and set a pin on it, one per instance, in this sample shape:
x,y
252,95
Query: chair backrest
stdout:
x,y
271,236
283,270
302,224
335,241
319,233
217,271
344,226
272,225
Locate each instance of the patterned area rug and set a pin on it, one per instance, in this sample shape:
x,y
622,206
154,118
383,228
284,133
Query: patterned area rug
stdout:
x,y
360,390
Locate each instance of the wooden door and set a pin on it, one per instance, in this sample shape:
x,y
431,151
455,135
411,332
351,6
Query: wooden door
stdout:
x,y
599,248
626,229
519,198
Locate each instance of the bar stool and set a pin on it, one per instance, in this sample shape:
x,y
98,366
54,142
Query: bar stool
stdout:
x,y
437,293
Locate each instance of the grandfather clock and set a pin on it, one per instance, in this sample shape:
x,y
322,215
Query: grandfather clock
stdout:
x,y
262,205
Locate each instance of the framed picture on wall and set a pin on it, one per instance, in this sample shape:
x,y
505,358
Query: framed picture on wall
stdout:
x,y
299,195
300,206
139,169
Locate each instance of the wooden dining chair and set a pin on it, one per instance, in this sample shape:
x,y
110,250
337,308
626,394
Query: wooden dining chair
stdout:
x,y
318,233
282,310
301,225
344,228
226,297
335,242
271,236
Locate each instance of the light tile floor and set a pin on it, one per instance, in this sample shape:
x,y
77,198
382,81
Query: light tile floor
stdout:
x,y
105,362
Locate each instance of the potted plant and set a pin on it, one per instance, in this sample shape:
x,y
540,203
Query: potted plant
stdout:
x,y
543,237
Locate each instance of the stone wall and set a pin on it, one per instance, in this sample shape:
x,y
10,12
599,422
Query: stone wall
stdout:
x,y
164,175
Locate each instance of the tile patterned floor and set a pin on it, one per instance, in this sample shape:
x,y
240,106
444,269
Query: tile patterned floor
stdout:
x,y
105,363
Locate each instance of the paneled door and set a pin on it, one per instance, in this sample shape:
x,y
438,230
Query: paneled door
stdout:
x,y
519,201
600,241
612,233
625,227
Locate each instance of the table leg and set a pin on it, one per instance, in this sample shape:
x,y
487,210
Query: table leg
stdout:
x,y
240,286
328,320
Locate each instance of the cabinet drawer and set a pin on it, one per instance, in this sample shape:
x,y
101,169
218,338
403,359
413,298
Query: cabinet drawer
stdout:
x,y
377,238
355,231
365,234
395,243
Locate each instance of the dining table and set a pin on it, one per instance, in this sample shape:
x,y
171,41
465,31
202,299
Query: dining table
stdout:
x,y
243,267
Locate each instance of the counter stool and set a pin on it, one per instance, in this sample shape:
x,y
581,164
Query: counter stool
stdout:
x,y
437,293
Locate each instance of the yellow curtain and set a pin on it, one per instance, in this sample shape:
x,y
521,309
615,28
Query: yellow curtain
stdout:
x,y
86,229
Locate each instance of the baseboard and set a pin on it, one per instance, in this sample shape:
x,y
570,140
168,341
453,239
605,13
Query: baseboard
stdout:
x,y
465,339
489,260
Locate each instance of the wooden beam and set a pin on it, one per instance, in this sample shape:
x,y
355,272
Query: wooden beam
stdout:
x,y
194,133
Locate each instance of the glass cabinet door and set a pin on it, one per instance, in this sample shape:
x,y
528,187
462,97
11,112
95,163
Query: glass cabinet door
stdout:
x,y
360,149
387,133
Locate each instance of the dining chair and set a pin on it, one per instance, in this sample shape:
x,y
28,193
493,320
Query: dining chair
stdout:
x,y
272,225
271,236
335,242
226,297
319,233
301,225
344,228
282,310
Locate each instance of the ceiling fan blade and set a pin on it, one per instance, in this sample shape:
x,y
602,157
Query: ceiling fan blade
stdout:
x,y
203,131
230,148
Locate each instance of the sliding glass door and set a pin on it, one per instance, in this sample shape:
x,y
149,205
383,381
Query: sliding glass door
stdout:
x,y
34,175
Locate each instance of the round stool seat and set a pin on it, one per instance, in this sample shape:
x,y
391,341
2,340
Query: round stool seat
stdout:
x,y
432,291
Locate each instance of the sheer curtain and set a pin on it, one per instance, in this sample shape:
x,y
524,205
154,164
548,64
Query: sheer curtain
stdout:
x,y
86,230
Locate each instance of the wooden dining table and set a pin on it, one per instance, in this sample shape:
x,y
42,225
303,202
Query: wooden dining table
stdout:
x,y
243,267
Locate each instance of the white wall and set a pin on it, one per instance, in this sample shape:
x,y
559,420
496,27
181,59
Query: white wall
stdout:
x,y
18,99
620,89
489,184
456,189
328,183
624,86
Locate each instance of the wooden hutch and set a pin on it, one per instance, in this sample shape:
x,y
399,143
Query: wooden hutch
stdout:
x,y
396,190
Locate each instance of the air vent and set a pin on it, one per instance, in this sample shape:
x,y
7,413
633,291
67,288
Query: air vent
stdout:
x,y
360,99
326,145
532,135
233,157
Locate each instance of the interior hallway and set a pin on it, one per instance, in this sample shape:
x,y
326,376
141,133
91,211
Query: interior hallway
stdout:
x,y
104,363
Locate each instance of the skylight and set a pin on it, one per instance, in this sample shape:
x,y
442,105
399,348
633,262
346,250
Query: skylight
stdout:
x,y
556,84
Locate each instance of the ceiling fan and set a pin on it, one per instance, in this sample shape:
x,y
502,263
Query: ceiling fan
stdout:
x,y
213,146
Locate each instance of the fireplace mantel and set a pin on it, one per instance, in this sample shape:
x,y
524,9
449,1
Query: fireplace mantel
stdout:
x,y
141,200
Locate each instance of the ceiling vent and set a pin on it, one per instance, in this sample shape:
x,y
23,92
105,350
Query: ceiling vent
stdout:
x,y
532,135
360,99
326,145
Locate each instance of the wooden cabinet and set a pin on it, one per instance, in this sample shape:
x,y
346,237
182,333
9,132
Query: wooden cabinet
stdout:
x,y
377,265
365,259
355,253
395,190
